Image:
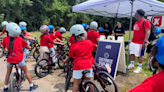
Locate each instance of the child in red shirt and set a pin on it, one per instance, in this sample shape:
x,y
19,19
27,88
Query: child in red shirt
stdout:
x,y
45,41
51,46
81,51
59,33
13,45
93,35
4,23
101,31
156,82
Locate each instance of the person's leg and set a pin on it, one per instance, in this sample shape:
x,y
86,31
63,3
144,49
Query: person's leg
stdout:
x,y
24,68
147,59
77,75
53,53
132,56
9,69
76,83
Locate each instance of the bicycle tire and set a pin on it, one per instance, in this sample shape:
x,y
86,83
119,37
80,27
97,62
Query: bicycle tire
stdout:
x,y
35,53
107,80
150,64
45,72
13,85
68,79
62,57
37,58
96,88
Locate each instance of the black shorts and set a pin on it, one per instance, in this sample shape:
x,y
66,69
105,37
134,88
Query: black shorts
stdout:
x,y
149,48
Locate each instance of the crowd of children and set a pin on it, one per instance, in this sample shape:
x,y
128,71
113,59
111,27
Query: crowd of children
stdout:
x,y
83,43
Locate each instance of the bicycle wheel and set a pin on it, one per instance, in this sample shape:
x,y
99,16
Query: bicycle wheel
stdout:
x,y
38,57
1,52
41,68
60,63
151,65
68,78
110,85
90,86
13,85
35,53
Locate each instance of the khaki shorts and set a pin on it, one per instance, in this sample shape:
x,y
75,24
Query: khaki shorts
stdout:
x,y
44,49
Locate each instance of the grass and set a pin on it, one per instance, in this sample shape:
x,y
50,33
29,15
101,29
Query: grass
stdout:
x,y
145,71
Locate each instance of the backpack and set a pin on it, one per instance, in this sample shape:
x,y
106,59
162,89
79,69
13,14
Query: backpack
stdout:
x,y
152,33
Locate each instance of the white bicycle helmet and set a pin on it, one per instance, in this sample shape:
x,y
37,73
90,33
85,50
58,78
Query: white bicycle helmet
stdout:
x,y
4,23
77,30
13,29
94,25
22,24
62,30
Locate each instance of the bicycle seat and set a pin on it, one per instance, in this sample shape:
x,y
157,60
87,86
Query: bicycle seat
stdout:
x,y
86,71
48,52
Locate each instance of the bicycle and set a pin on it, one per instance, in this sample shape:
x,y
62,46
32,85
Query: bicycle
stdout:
x,y
101,74
16,79
83,87
88,86
46,64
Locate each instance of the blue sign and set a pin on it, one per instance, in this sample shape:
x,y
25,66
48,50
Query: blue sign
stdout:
x,y
107,53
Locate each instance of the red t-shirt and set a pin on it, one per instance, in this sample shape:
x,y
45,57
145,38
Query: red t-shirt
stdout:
x,y
101,34
151,84
58,35
139,31
92,36
50,45
3,31
19,43
82,53
26,34
71,40
45,40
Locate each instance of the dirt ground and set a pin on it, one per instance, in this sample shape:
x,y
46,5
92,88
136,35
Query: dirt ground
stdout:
x,y
55,82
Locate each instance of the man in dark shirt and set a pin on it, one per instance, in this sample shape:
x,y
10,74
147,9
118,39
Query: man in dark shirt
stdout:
x,y
119,30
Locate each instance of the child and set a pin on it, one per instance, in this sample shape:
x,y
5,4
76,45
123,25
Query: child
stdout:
x,y
51,46
154,83
152,43
101,31
81,51
4,23
13,45
45,40
93,35
59,33
24,24
26,38
85,26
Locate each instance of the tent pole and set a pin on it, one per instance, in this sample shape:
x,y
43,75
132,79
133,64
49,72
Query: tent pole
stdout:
x,y
130,27
72,18
115,22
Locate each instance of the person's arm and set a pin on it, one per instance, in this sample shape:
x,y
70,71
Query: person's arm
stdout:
x,y
68,59
32,35
58,39
29,38
119,34
3,31
58,43
146,38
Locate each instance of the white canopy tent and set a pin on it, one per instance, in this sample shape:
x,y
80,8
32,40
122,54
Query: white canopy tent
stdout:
x,y
120,9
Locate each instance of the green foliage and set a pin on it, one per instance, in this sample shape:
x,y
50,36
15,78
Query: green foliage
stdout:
x,y
54,12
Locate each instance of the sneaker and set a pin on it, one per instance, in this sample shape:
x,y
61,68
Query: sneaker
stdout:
x,y
33,87
131,66
5,90
138,70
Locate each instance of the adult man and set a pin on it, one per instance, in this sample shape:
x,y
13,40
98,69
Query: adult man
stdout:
x,y
140,38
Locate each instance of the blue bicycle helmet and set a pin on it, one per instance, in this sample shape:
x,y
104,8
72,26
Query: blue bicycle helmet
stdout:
x,y
84,25
160,54
101,30
157,31
22,28
50,27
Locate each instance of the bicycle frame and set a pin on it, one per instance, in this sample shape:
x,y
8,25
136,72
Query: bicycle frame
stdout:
x,y
19,75
34,45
